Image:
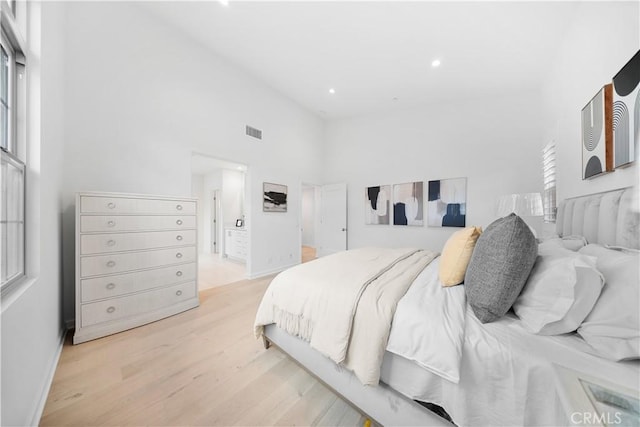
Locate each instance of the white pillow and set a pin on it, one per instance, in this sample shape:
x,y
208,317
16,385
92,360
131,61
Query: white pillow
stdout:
x,y
561,290
573,243
613,326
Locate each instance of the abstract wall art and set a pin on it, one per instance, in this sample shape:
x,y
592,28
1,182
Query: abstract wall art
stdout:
x,y
408,204
377,205
597,134
275,197
626,112
447,202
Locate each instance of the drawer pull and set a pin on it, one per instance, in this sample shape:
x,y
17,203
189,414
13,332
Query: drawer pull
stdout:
x,y
178,273
178,293
111,242
179,207
179,222
178,237
178,255
111,223
111,264
111,205
111,309
111,286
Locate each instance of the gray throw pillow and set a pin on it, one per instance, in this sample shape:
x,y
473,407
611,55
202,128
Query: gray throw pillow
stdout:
x,y
500,265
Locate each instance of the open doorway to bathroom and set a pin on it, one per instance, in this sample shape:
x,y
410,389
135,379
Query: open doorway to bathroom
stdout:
x,y
309,221
219,186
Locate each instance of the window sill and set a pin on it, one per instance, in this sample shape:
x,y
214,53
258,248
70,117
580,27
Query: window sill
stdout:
x,y
15,291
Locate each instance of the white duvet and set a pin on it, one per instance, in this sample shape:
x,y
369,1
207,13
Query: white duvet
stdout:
x,y
343,304
429,324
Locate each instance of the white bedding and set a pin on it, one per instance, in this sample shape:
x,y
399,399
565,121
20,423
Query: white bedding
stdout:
x,y
428,327
343,304
507,374
483,374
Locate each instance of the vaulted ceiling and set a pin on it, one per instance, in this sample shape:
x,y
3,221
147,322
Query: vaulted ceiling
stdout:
x,y
378,55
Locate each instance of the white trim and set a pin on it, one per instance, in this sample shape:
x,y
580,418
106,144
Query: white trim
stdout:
x,y
46,387
13,292
12,31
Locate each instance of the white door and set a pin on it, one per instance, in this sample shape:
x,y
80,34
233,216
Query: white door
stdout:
x,y
332,237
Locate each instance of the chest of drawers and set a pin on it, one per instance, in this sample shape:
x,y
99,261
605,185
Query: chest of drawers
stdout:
x,y
136,261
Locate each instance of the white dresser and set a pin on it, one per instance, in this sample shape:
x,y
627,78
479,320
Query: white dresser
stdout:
x,y
136,261
235,244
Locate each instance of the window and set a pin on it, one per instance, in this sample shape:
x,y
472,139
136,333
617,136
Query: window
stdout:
x,y
12,223
4,97
12,165
549,181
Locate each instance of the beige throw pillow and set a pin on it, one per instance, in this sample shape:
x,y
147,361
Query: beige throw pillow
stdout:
x,y
456,255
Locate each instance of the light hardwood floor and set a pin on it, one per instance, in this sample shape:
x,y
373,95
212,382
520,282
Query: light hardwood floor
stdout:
x,y
308,254
214,271
200,367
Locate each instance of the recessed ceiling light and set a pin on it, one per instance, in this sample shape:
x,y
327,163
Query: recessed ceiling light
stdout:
x,y
224,2
239,168
435,63
332,91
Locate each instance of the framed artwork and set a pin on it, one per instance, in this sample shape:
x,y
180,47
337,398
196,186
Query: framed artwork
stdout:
x,y
626,112
447,202
597,134
275,197
408,204
376,209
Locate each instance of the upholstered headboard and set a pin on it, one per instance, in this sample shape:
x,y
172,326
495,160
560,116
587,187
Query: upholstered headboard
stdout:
x,y
610,218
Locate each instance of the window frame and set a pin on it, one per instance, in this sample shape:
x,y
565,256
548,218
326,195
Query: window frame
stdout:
x,y
12,146
13,44
16,162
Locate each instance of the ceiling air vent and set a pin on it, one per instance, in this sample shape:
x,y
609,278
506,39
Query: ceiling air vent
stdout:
x,y
256,133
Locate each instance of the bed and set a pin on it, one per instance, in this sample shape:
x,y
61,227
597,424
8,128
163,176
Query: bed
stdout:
x,y
505,375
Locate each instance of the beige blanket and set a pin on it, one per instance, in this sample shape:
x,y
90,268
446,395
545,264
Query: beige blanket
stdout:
x,y
343,304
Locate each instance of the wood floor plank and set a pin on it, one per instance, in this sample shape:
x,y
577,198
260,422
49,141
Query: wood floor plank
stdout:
x,y
200,367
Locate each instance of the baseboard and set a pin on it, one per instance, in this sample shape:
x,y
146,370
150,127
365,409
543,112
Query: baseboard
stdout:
x,y
70,324
37,414
272,271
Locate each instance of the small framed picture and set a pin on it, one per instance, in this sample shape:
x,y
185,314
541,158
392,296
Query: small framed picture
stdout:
x,y
275,197
239,223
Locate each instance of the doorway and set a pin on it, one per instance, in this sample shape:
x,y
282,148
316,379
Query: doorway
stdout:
x,y
219,186
309,221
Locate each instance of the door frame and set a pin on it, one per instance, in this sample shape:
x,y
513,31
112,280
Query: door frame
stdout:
x,y
316,213
217,220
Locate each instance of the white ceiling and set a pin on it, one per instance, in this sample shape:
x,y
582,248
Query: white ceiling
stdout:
x,y
373,52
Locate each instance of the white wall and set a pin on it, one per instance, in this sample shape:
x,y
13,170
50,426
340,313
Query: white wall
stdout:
x,y
141,98
495,143
602,37
197,191
31,318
